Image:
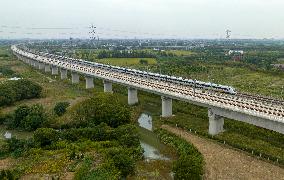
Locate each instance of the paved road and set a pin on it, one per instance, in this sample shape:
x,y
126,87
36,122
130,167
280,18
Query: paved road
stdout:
x,y
225,163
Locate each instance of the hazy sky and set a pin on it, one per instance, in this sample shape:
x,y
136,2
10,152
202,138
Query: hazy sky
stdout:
x,y
142,18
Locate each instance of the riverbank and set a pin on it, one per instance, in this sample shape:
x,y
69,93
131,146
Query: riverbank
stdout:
x,y
222,162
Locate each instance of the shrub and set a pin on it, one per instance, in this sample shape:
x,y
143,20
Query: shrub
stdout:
x,y
188,167
35,119
124,163
190,162
7,175
143,61
26,89
2,118
7,94
15,144
101,132
60,108
6,71
6,119
12,91
28,118
45,136
19,114
103,108
18,146
127,135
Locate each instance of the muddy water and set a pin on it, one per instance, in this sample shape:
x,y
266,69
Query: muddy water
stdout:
x,y
153,148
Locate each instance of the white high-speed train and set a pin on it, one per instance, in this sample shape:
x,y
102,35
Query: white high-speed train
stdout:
x,y
143,74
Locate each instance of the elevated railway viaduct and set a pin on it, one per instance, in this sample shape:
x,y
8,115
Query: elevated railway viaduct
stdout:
x,y
243,108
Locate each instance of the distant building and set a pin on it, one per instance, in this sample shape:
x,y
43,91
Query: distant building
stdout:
x,y
8,135
231,52
14,79
237,55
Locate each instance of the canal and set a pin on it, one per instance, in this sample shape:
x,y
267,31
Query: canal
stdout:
x,y
158,158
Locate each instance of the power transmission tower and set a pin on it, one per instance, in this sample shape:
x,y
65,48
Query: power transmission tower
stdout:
x,y
93,34
228,34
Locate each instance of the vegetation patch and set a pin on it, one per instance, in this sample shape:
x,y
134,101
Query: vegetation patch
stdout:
x,y
125,62
101,147
6,71
190,162
12,91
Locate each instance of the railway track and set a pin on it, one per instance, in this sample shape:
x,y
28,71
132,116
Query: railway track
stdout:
x,y
264,99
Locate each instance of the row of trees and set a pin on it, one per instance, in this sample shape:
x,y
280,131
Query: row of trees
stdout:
x,y
12,91
125,54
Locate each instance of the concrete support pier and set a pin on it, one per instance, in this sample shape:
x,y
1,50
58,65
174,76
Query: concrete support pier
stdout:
x,y
167,110
47,68
54,70
107,86
216,122
89,82
41,66
63,73
36,64
75,78
31,62
132,96
26,60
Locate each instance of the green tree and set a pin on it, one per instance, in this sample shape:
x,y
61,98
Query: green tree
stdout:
x,y
7,175
12,91
26,89
124,163
35,119
127,135
60,108
188,167
143,61
102,108
19,115
45,136
7,95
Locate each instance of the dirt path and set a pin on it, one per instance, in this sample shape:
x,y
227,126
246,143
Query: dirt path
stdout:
x,y
5,163
225,163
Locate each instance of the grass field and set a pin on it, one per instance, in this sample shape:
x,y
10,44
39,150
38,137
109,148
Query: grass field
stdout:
x,y
243,79
126,61
15,133
180,52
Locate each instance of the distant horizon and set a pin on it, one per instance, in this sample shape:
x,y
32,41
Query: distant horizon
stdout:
x,y
127,19
259,39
